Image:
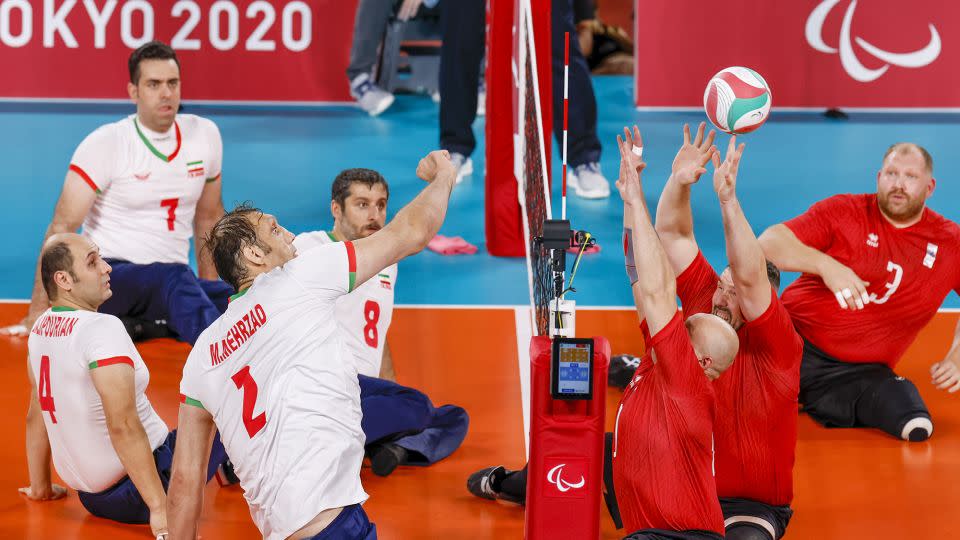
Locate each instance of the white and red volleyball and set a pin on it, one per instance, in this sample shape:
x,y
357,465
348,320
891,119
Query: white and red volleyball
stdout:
x,y
737,100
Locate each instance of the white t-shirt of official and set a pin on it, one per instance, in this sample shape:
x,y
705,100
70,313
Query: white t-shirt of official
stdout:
x,y
64,346
364,314
147,185
280,382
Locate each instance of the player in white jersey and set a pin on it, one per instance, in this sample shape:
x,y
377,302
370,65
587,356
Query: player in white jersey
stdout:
x,y
141,187
274,373
90,409
401,424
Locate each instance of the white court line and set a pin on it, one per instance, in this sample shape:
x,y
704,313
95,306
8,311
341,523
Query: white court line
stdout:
x,y
523,317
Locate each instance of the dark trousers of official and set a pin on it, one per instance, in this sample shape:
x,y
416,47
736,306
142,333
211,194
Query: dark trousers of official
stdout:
x,y
406,417
169,292
463,23
122,502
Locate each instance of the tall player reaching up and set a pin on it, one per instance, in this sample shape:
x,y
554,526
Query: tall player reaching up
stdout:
x,y
141,187
663,435
756,422
275,375
106,440
888,261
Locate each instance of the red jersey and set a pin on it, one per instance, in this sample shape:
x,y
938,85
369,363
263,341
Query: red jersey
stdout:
x,y
663,440
910,271
756,423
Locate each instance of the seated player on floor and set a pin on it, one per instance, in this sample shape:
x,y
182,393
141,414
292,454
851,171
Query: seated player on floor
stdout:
x,y
106,440
401,425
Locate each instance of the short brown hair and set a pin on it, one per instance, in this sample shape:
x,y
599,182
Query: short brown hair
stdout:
x,y
347,177
904,147
154,50
56,257
227,239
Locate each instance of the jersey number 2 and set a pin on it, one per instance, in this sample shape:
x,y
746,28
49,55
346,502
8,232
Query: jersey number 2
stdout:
x,y
371,314
171,205
248,386
44,392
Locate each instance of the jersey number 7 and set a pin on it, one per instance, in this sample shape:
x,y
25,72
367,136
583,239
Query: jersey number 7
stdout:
x,y
245,383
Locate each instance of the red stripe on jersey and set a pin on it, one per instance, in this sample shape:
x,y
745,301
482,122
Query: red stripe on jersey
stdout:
x,y
176,128
86,177
351,257
115,360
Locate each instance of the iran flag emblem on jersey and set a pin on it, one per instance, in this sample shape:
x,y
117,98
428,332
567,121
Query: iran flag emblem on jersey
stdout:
x,y
195,169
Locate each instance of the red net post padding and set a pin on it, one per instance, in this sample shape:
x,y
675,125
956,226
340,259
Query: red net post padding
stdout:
x,y
504,229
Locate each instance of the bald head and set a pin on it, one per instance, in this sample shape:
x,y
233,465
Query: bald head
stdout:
x,y
715,342
72,270
57,256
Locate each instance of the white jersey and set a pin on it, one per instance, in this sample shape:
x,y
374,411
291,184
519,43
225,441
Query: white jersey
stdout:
x,y
280,382
147,185
364,314
64,346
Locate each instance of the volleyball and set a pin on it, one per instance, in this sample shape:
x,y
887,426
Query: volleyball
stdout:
x,y
737,100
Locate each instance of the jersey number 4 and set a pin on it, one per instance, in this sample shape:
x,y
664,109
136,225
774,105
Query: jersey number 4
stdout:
x,y
248,386
371,314
44,392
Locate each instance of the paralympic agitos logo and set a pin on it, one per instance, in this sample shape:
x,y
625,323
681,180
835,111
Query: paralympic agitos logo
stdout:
x,y
848,56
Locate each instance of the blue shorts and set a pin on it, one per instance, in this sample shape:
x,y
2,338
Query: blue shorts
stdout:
x,y
122,502
351,524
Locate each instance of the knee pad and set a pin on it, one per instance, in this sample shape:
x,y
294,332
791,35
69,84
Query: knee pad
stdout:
x,y
747,531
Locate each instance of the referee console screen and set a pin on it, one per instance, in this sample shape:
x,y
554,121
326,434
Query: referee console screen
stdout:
x,y
572,368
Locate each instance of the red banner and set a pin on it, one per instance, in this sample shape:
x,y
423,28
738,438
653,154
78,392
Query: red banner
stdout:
x,y
812,53
229,50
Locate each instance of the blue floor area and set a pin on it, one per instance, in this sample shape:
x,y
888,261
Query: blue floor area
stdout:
x,y
283,159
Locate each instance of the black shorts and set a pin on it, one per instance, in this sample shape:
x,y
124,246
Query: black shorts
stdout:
x,y
659,534
769,518
846,394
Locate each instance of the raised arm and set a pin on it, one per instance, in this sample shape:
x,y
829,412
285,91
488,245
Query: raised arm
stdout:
x,y
195,434
209,211
781,246
117,388
415,224
655,289
674,217
747,263
76,200
38,452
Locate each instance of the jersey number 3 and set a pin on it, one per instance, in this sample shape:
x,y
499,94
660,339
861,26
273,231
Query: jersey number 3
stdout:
x,y
371,314
248,386
43,390
891,286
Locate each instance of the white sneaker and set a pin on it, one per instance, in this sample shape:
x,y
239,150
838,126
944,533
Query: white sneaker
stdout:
x,y
482,98
463,165
371,97
588,182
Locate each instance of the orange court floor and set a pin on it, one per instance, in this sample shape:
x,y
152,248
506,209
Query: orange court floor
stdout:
x,y
849,484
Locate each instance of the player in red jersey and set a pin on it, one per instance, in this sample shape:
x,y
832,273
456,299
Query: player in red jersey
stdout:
x,y
663,435
889,262
756,421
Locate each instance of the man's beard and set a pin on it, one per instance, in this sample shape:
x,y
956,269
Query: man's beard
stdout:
x,y
912,207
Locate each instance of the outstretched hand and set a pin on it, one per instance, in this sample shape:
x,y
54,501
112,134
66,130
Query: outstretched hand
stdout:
x,y
692,157
725,174
631,165
51,493
432,164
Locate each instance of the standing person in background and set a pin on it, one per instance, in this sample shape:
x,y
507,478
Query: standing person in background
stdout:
x,y
463,25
